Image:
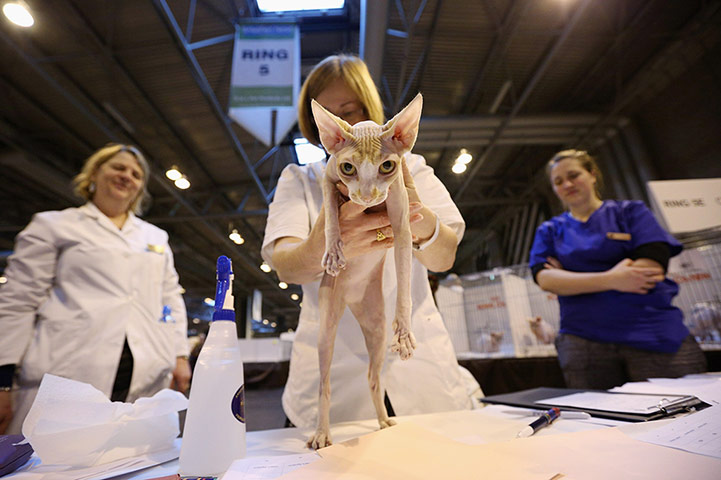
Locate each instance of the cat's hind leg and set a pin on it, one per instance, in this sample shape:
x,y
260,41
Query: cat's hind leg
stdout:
x,y
331,308
370,314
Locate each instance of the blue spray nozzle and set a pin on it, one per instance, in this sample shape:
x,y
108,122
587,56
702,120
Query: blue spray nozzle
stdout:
x,y
224,309
224,267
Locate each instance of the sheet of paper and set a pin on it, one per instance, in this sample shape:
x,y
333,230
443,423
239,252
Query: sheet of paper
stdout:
x,y
699,432
266,468
411,452
612,402
706,387
98,472
608,453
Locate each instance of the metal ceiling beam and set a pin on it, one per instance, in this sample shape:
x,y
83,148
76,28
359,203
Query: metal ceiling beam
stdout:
x,y
51,180
430,144
638,84
154,174
500,44
530,86
409,30
181,139
83,109
201,81
208,216
590,82
373,24
455,122
420,65
705,23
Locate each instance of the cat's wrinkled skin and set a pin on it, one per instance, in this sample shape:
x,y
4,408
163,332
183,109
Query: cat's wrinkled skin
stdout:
x,y
367,158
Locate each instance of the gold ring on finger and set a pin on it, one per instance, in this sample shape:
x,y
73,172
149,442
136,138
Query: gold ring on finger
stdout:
x,y
380,236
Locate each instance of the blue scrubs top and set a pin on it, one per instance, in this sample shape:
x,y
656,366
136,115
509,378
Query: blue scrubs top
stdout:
x,y
648,322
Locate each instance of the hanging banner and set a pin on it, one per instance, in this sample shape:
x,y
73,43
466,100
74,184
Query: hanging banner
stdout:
x,y
265,80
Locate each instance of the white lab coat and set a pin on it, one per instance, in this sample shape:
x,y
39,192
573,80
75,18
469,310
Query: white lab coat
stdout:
x,y
77,287
430,381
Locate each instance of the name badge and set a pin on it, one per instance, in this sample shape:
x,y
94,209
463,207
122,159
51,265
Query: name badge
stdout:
x,y
159,248
624,237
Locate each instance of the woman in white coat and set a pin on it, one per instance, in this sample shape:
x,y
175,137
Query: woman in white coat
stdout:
x,y
294,243
92,295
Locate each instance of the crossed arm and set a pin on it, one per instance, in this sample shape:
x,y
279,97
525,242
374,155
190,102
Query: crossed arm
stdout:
x,y
632,276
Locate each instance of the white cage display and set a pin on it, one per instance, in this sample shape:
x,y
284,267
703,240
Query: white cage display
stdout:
x,y
492,313
503,313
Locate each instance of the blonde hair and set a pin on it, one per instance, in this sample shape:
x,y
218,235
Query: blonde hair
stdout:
x,y
354,72
585,160
82,181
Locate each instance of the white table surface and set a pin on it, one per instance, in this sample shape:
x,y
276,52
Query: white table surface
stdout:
x,y
468,426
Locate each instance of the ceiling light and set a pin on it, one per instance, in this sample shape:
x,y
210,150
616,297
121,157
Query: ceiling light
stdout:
x,y
173,173
265,267
283,285
464,158
294,296
18,13
236,237
209,301
273,324
281,6
458,168
3,279
182,183
265,321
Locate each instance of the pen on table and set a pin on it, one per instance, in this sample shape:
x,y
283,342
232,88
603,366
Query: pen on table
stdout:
x,y
564,413
545,419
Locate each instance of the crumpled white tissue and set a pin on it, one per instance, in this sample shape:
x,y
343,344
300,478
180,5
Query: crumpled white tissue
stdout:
x,y
73,423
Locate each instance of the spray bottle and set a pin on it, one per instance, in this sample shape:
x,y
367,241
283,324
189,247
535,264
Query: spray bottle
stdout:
x,y
214,434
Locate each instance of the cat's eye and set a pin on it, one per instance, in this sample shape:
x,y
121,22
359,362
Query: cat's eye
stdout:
x,y
347,168
387,167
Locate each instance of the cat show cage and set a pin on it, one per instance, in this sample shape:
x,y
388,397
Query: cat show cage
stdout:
x,y
488,314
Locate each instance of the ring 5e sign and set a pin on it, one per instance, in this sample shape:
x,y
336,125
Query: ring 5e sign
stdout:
x,y
687,205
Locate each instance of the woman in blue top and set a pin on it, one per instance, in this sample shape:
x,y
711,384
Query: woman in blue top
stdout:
x,y
606,261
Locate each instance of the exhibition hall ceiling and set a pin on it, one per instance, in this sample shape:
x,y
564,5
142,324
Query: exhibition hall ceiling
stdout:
x,y
511,81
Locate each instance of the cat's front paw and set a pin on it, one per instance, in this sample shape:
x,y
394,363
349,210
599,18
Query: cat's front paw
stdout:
x,y
403,341
333,259
321,438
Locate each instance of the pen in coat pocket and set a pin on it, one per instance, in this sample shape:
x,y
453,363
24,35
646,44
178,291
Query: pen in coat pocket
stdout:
x,y
564,414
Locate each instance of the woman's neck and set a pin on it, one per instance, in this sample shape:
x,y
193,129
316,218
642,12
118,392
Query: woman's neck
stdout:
x,y
583,212
117,215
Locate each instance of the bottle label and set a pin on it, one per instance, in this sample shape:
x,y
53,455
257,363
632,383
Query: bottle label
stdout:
x,y
237,405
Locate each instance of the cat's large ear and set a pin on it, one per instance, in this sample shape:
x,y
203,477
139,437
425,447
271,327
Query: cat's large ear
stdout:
x,y
334,132
400,132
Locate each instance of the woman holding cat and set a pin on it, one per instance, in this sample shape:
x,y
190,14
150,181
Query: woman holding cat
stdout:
x,y
294,245
606,261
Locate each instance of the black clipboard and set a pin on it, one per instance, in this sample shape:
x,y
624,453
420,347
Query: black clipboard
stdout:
x,y
529,399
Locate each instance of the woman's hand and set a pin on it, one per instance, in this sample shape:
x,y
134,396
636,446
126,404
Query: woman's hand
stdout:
x,y
627,278
181,375
6,411
552,263
359,226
